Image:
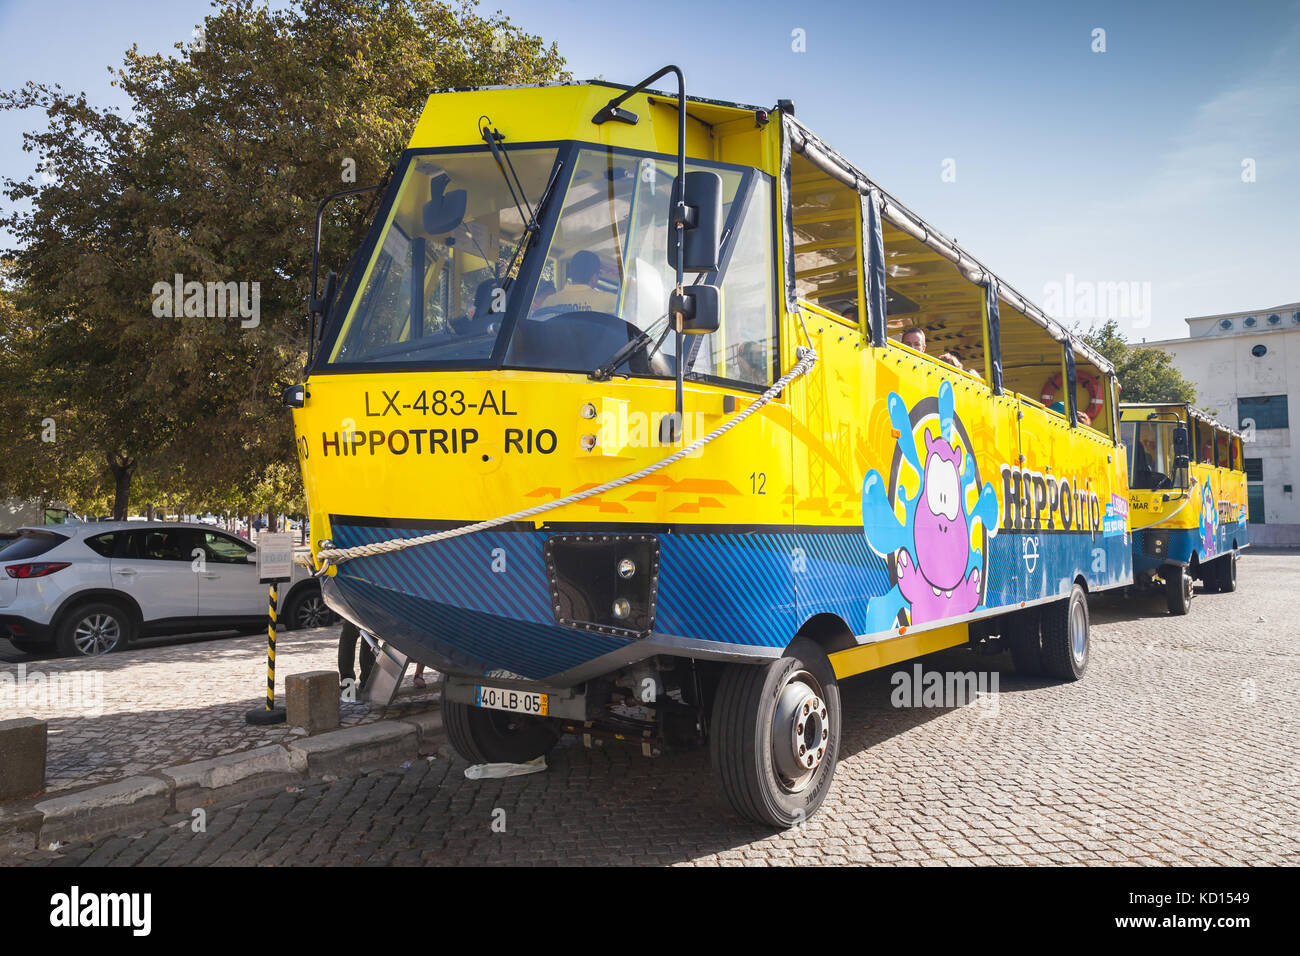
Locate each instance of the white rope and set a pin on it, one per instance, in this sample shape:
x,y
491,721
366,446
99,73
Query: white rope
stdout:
x,y
807,358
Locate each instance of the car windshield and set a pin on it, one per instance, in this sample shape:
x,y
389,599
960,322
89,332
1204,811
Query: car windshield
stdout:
x,y
448,290
1150,447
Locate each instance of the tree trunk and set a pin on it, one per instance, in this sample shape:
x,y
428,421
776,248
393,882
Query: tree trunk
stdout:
x,y
123,470
272,522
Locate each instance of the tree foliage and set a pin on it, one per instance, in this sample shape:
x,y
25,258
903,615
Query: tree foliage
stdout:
x,y
1145,374
214,176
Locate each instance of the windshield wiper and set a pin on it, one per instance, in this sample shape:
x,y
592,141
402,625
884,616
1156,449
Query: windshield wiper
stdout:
x,y
607,368
531,226
602,372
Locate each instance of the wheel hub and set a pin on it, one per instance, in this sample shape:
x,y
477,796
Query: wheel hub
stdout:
x,y
801,731
96,634
1078,633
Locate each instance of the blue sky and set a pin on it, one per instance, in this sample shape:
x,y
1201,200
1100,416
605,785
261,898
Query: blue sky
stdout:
x,y
1122,166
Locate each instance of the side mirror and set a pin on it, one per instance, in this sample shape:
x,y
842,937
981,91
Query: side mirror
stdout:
x,y
445,210
1180,442
1181,462
701,212
700,307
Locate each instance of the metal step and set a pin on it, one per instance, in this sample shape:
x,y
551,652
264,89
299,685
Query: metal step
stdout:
x,y
386,675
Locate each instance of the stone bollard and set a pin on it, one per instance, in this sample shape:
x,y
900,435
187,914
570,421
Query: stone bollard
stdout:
x,y
22,757
312,700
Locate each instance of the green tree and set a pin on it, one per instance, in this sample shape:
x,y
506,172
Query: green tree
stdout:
x,y
1145,374
215,177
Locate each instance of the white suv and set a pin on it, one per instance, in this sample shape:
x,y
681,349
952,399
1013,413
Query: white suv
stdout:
x,y
88,589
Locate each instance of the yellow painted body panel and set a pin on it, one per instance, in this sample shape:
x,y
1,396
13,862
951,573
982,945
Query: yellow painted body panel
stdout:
x,y
869,657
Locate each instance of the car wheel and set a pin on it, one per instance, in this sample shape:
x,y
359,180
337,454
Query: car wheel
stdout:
x,y
1066,634
775,735
481,735
307,608
1227,577
92,630
1178,589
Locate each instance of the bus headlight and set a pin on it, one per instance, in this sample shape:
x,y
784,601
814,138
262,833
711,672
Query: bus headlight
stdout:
x,y
626,568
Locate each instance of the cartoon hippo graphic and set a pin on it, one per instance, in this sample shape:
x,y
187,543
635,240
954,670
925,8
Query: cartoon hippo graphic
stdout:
x,y
1209,522
937,573
935,580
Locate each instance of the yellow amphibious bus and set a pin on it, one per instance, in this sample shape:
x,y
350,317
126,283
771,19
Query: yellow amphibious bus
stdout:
x,y
651,418
1187,499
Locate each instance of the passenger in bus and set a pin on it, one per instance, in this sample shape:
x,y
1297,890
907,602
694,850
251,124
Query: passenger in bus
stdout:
x,y
914,338
580,292
748,364
482,315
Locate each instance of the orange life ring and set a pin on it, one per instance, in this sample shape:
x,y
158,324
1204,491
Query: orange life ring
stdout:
x,y
1093,387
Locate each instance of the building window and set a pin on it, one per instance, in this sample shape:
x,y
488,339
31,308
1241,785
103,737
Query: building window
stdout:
x,y
1250,322
1265,411
1254,469
1255,501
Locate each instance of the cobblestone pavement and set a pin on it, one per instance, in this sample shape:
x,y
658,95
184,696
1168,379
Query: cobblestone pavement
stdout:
x,y
1180,747
148,708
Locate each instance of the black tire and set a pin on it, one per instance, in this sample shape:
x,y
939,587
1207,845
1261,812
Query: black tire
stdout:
x,y
1226,578
1024,638
751,706
306,608
481,735
1178,588
1067,636
92,630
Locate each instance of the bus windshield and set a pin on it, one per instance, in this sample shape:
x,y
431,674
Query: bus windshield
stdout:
x,y
444,293
1150,447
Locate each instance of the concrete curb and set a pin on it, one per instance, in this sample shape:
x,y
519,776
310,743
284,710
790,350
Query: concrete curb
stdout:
x,y
356,748
35,824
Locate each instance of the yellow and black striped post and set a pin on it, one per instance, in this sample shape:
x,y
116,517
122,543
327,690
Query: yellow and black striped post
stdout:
x,y
270,649
270,714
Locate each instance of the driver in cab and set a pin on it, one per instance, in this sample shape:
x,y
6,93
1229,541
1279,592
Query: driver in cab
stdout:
x,y
580,293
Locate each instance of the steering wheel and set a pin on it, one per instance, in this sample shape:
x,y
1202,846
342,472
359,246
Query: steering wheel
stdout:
x,y
593,335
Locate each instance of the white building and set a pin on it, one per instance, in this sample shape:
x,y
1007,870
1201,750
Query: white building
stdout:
x,y
1246,368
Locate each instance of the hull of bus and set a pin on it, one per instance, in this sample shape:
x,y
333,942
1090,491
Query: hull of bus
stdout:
x,y
885,498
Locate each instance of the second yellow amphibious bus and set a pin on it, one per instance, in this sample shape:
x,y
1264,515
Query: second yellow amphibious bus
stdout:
x,y
1187,499
662,452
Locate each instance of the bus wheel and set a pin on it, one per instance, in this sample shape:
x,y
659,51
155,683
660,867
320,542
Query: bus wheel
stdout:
x,y
1066,637
1225,577
496,736
1023,632
1178,588
775,735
